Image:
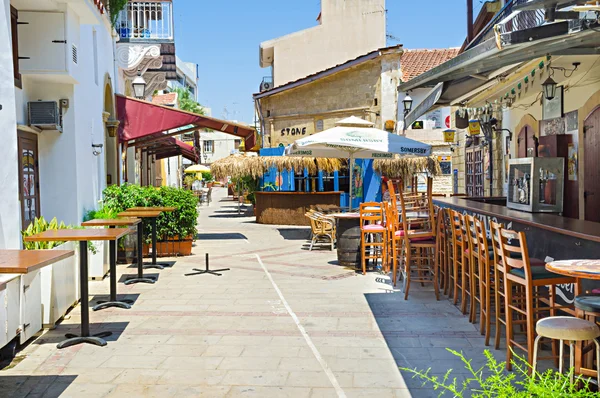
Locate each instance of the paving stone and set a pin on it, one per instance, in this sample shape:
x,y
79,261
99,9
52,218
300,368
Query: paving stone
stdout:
x,y
255,378
249,363
191,363
139,376
134,362
266,392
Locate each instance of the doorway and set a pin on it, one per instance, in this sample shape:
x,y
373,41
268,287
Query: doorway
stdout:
x,y
591,147
29,177
526,143
474,175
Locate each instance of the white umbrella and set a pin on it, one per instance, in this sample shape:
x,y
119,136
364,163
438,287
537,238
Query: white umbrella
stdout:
x,y
356,138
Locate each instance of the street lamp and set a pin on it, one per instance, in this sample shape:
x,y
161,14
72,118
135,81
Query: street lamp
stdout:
x,y
205,156
407,102
139,86
549,87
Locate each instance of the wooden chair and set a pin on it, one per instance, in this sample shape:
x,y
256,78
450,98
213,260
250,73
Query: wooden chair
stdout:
x,y
460,264
519,275
419,241
372,226
449,281
394,239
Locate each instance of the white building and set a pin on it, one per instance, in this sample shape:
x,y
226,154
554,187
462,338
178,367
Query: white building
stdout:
x,y
187,77
57,87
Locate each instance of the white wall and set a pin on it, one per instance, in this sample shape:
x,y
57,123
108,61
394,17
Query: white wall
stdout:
x,y
10,213
223,145
390,78
348,29
71,177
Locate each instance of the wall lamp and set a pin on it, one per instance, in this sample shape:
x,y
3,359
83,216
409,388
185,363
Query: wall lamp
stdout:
x,y
97,149
549,86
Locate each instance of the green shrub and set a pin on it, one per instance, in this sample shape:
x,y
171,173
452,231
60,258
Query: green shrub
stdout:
x,y
492,380
207,176
181,222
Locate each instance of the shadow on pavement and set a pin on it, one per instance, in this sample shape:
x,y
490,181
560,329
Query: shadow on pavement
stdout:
x,y
294,233
221,236
30,386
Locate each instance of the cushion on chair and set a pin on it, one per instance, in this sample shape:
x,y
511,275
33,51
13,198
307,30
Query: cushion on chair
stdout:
x,y
415,239
426,240
567,328
373,228
536,273
588,302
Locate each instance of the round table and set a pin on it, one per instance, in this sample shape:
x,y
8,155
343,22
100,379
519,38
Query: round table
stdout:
x,y
587,269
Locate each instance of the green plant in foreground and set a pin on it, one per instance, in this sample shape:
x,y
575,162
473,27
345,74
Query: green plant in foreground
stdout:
x,y
40,225
207,176
491,380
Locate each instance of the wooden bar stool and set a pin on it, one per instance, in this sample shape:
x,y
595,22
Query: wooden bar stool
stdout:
x,y
519,275
419,242
449,282
566,328
473,250
460,264
371,226
442,248
394,239
587,306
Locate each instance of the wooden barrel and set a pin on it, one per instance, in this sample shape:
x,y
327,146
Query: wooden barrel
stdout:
x,y
348,242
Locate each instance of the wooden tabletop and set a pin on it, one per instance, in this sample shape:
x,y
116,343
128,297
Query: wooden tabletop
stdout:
x,y
159,208
117,222
587,269
140,213
78,235
24,261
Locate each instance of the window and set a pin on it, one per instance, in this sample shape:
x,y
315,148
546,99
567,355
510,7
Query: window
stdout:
x,y
14,16
208,146
445,164
237,143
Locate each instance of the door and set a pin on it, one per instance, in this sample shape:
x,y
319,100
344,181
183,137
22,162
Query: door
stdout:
x,y
591,147
29,177
474,171
526,143
31,305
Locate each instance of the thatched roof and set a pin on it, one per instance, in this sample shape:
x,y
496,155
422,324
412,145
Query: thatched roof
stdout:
x,y
236,166
405,167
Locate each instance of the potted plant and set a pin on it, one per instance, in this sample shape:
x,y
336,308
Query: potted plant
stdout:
x,y
176,230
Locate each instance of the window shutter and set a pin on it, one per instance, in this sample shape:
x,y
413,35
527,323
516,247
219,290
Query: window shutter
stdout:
x,y
14,16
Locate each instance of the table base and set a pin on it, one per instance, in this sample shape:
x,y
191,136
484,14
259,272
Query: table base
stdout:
x,y
108,304
73,339
207,271
157,265
139,280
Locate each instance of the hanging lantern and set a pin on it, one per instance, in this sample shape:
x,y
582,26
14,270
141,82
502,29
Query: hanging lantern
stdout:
x,y
449,135
549,87
474,127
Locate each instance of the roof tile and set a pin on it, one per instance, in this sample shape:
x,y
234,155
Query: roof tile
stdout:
x,y
415,62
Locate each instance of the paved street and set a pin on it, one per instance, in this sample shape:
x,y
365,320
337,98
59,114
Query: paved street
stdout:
x,y
284,322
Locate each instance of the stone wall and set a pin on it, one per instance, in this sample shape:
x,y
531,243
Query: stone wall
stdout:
x,y
317,106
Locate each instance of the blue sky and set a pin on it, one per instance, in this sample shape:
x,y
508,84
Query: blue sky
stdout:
x,y
223,37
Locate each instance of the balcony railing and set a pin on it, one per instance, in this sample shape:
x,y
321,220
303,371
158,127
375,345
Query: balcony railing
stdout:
x,y
146,20
510,21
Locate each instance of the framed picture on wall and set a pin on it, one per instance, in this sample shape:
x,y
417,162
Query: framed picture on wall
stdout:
x,y
552,109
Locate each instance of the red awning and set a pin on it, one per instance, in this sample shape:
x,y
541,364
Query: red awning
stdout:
x,y
170,146
142,120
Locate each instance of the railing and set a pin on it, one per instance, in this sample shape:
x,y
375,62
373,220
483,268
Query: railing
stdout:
x,y
146,20
510,21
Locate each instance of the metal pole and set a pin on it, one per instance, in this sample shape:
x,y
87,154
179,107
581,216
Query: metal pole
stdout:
x,y
351,166
83,281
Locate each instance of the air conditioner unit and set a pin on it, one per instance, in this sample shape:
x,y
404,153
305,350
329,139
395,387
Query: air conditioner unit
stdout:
x,y
44,115
264,86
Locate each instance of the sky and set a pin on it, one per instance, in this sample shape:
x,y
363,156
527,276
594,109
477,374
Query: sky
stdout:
x,y
223,37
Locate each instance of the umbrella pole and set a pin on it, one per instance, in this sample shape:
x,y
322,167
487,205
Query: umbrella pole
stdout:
x,y
351,166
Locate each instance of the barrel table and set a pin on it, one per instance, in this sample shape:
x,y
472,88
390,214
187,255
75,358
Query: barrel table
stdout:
x,y
348,239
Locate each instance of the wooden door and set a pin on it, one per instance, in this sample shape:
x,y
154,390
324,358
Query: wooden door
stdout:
x,y
474,171
526,143
591,147
29,177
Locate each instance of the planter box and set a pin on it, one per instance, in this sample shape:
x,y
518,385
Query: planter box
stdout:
x,y
60,286
171,248
98,265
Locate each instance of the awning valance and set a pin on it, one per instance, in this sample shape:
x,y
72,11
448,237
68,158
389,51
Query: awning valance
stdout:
x,y
142,120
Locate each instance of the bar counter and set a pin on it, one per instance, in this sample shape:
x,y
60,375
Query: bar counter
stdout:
x,y
548,235
288,208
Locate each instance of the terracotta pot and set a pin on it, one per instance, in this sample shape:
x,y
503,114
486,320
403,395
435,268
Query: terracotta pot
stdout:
x,y
171,247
